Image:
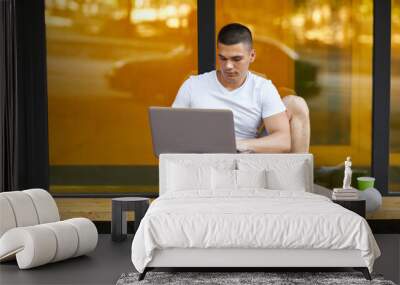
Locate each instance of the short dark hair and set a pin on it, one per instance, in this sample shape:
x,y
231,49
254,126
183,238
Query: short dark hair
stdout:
x,y
235,33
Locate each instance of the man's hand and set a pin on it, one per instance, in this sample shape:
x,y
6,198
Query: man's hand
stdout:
x,y
242,146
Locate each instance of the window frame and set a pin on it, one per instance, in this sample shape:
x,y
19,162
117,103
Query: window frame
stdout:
x,y
381,77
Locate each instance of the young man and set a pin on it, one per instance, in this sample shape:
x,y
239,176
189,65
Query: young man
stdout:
x,y
252,99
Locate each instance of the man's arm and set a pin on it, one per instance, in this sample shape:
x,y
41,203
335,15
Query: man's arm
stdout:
x,y
277,141
182,99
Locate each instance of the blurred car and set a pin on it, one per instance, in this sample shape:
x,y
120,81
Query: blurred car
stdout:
x,y
285,68
155,79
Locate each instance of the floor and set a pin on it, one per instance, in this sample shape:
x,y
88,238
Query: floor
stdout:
x,y
111,259
103,266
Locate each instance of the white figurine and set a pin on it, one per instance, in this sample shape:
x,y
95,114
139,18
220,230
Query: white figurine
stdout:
x,y
347,173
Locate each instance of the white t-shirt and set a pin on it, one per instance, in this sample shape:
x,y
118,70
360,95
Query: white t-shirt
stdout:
x,y
255,100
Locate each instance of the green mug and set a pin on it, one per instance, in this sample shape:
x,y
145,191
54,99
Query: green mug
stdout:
x,y
365,182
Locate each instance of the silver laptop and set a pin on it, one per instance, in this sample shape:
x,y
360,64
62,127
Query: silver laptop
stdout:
x,y
187,130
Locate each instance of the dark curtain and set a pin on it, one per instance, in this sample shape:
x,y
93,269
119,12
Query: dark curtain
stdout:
x,y
23,96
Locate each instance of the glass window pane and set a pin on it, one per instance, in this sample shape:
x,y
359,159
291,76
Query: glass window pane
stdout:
x,y
394,174
322,50
108,60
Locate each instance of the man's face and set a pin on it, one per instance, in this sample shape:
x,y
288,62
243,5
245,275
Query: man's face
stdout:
x,y
234,61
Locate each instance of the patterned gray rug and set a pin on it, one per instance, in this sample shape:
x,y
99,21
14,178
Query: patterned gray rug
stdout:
x,y
243,278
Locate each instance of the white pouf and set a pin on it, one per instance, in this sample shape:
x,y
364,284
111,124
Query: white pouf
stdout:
x,y
373,199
